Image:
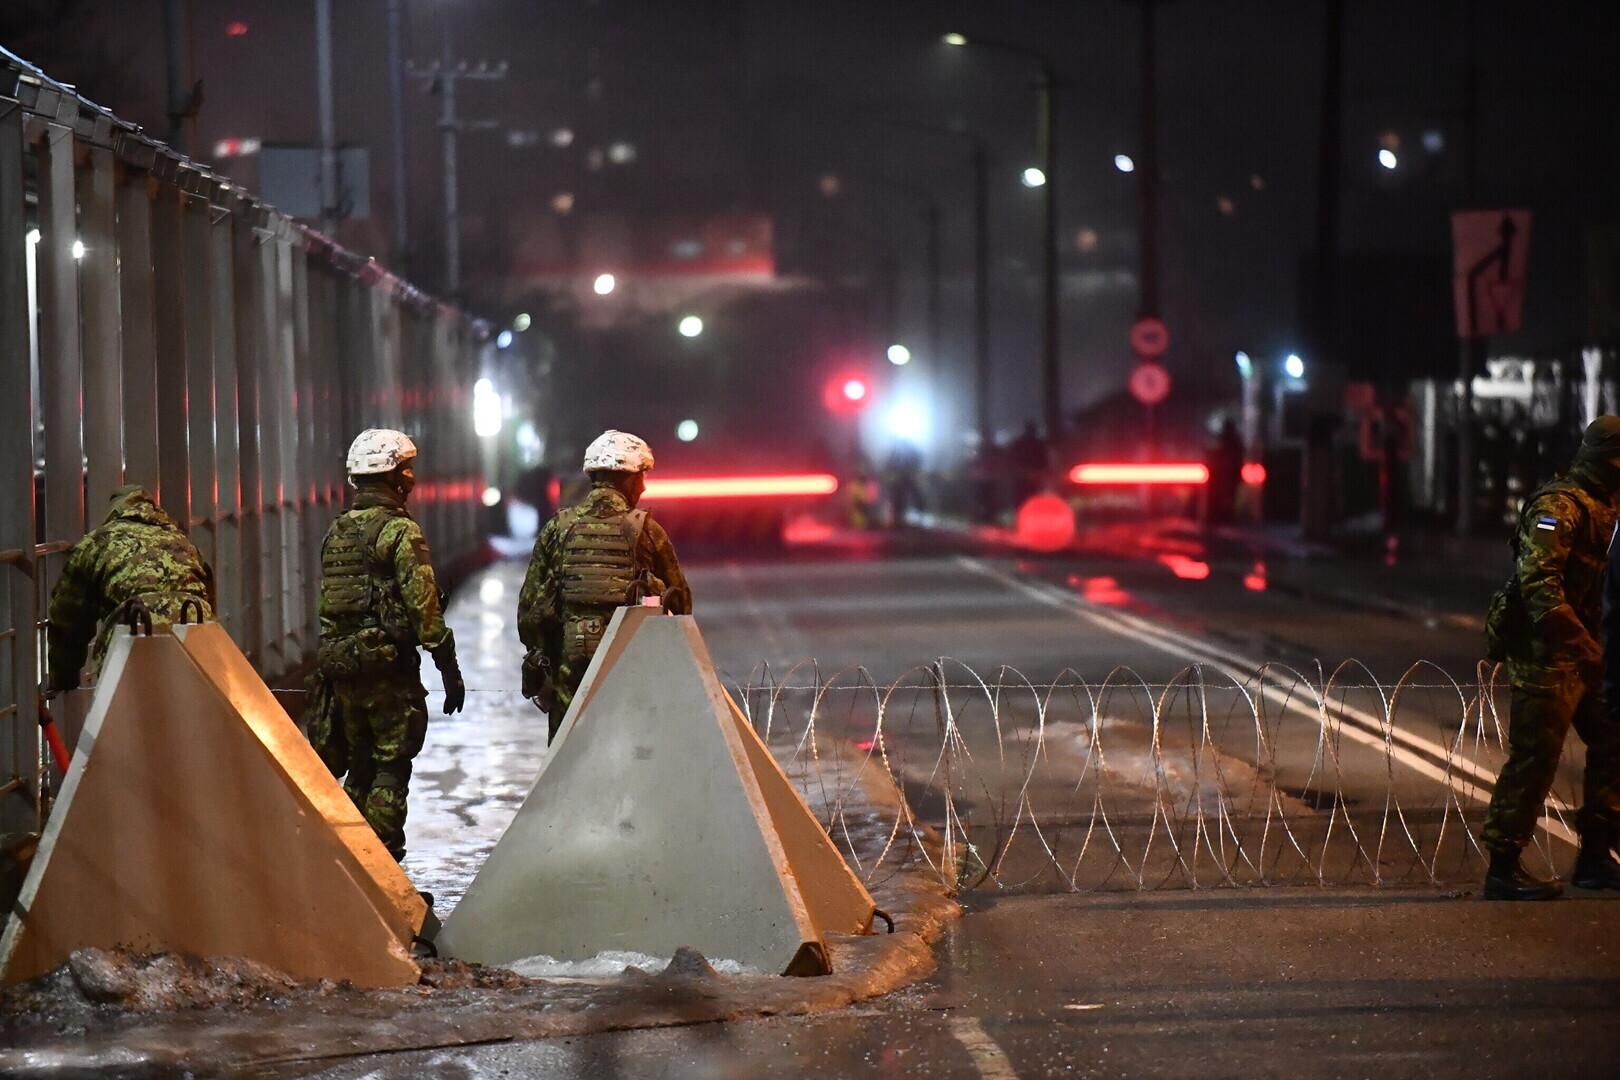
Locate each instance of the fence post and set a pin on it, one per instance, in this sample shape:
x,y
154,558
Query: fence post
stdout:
x,y
228,565
103,374
135,283
19,611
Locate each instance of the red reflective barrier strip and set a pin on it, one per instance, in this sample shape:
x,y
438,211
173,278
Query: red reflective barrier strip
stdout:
x,y
720,487
1133,473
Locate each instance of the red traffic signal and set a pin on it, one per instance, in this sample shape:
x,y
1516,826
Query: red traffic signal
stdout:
x,y
846,394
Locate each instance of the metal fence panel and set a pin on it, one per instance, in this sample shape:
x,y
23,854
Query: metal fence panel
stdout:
x,y
198,342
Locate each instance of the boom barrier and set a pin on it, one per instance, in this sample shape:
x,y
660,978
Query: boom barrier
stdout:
x,y
160,325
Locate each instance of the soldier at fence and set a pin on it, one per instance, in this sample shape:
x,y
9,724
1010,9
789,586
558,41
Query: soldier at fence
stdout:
x,y
588,560
379,601
137,555
1545,624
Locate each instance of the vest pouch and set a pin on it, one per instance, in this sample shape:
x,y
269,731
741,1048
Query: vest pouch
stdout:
x,y
581,635
1507,624
353,655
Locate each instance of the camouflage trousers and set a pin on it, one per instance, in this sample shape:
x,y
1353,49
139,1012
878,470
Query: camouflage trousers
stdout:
x,y
568,675
368,733
1546,703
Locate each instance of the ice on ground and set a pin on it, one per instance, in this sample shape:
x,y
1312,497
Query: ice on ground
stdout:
x,y
611,962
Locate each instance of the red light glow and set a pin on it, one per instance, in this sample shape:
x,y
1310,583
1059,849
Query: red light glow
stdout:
x,y
1255,580
1183,567
854,389
237,29
1139,473
723,487
1254,473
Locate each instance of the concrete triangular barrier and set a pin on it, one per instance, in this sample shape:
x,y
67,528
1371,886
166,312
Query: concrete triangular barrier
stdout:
x,y
191,822
659,820
217,657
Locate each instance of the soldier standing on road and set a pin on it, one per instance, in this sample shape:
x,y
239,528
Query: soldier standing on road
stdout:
x,y
379,601
585,562
1545,624
137,554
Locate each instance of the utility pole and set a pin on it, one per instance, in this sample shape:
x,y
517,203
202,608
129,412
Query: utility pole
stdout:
x,y
1051,358
1471,357
185,96
981,295
323,87
443,76
1147,173
396,109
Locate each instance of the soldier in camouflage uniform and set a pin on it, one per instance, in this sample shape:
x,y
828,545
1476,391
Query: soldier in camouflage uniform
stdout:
x,y
137,553
585,562
379,601
1544,624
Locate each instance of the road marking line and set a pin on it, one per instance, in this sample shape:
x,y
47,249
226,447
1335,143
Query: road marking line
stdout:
x,y
1360,726
991,1059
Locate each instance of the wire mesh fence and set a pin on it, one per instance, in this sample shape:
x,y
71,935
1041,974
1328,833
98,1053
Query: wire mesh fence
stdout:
x,y
1214,778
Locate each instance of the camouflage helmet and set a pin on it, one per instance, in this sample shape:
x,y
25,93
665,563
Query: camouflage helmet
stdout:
x,y
1601,440
618,451
379,450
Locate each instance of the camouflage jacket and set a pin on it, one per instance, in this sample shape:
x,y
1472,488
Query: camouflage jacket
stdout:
x,y
401,558
540,608
137,553
1561,549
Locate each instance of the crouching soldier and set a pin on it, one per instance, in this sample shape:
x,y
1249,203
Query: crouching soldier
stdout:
x,y
379,601
588,560
136,555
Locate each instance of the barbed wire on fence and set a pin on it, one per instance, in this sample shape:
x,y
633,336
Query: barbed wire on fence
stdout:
x,y
1217,777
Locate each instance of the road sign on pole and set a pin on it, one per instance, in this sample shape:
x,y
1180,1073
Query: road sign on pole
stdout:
x,y
1150,382
1488,269
1150,337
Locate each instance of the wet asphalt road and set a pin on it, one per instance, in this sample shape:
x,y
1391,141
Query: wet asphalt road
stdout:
x,y
1252,982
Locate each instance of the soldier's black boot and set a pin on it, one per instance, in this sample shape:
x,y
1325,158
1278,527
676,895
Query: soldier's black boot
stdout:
x,y
1507,880
1596,868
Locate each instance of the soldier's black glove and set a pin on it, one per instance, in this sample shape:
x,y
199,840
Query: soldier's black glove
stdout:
x,y
455,696
455,690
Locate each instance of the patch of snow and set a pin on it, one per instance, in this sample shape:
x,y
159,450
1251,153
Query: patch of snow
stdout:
x,y
609,963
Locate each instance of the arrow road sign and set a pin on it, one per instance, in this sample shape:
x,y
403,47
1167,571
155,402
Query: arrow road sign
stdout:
x,y
1488,269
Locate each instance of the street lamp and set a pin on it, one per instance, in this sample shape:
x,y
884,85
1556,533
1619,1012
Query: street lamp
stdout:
x,y
1046,82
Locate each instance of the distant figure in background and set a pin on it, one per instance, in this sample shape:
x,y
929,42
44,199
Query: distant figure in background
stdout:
x,y
1545,624
534,487
864,495
904,465
1225,462
588,560
1029,460
137,553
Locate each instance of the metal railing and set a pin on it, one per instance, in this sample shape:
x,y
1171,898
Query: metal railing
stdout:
x,y
159,325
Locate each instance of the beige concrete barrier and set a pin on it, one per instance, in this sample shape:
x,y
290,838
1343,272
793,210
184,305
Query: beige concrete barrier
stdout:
x,y
659,820
195,818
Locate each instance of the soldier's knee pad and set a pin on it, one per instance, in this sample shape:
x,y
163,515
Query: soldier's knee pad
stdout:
x,y
389,781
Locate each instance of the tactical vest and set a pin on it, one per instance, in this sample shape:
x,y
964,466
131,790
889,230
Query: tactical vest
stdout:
x,y
599,559
354,593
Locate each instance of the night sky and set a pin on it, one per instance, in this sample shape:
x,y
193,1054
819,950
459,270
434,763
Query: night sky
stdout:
x,y
753,104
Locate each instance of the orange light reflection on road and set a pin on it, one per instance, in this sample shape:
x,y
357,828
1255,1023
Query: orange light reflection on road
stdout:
x,y
1100,590
722,487
1135,473
1183,567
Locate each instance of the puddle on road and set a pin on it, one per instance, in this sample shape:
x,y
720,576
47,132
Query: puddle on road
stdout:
x,y
477,766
